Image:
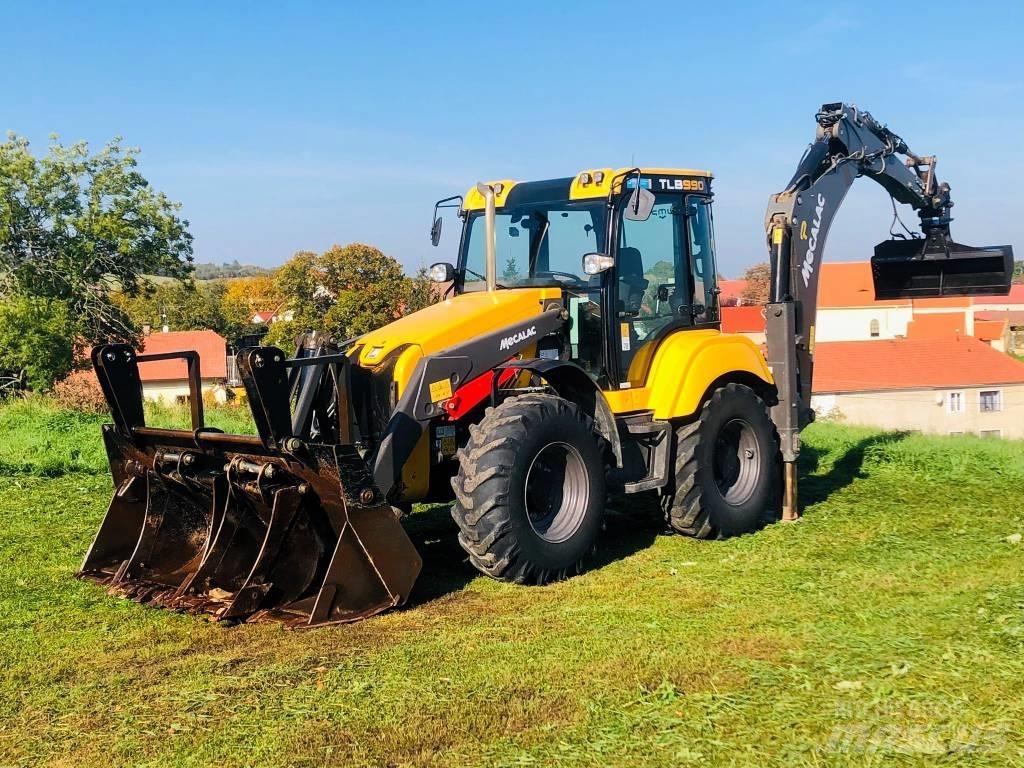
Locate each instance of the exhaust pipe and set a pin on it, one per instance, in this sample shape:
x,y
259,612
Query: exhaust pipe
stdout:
x,y
491,271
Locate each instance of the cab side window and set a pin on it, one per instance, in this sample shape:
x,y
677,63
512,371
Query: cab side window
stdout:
x,y
701,235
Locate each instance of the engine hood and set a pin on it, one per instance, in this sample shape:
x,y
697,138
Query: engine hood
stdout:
x,y
454,320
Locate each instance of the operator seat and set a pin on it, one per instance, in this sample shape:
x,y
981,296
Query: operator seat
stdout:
x,y
632,283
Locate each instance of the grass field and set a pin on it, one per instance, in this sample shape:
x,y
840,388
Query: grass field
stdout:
x,y
885,628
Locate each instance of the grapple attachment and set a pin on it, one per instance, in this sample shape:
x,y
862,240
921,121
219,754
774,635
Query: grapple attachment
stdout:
x,y
286,525
932,267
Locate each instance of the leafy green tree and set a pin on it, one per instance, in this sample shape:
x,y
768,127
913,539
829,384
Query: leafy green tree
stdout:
x,y
183,305
37,337
343,292
1018,271
422,291
511,272
76,225
758,278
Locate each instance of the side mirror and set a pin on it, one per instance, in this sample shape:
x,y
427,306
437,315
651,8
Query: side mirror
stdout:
x,y
442,272
435,231
640,205
596,263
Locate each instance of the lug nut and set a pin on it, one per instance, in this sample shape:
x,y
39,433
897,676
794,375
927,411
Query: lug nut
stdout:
x,y
293,445
366,495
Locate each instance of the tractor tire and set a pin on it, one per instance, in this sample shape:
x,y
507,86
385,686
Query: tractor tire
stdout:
x,y
728,469
530,490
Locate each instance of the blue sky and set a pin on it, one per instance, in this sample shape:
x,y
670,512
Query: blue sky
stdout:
x,y
294,126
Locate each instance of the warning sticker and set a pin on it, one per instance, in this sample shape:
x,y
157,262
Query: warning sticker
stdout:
x,y
440,390
624,330
448,446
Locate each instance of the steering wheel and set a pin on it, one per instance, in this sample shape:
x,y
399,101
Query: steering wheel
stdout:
x,y
561,277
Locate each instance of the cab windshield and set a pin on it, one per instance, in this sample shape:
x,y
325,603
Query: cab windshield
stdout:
x,y
537,244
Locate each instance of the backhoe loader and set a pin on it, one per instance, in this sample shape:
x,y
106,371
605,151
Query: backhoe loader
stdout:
x,y
577,353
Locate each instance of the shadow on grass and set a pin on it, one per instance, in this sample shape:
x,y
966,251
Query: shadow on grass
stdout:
x,y
446,568
815,488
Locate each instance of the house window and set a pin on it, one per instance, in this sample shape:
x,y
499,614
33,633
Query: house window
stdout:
x,y
991,433
955,402
876,329
991,400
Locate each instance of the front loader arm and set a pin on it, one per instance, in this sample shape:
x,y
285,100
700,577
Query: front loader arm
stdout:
x,y
849,144
437,376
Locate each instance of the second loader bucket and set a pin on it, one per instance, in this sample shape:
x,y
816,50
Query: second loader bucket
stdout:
x,y
924,268
240,527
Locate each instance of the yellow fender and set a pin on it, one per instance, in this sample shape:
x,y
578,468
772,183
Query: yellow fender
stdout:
x,y
684,368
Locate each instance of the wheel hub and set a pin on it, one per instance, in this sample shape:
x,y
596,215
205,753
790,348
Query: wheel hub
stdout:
x,y
736,461
557,492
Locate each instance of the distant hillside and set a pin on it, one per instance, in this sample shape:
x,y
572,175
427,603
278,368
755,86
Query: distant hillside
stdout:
x,y
212,271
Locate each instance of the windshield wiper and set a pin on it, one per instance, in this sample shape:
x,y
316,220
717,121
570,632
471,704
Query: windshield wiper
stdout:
x,y
482,277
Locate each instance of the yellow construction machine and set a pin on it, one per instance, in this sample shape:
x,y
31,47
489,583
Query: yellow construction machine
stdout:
x,y
576,353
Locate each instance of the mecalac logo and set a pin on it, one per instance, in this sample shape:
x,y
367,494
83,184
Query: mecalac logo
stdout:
x,y
510,341
807,269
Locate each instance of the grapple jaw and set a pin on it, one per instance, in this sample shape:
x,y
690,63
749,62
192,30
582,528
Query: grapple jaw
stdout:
x,y
243,527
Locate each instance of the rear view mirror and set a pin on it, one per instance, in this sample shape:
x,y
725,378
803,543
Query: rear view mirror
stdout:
x,y
640,205
435,231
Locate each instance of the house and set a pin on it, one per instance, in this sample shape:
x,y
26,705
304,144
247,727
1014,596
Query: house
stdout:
x,y
168,379
1012,324
748,321
940,385
730,292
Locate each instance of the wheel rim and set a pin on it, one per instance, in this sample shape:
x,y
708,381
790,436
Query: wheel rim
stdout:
x,y
737,461
557,492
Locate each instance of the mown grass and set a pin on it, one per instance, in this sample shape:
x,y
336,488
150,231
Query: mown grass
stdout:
x,y
885,628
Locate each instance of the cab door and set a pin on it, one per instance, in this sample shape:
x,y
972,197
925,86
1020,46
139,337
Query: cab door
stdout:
x,y
664,280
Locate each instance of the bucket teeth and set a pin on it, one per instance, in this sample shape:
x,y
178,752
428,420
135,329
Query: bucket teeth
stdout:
x,y
246,537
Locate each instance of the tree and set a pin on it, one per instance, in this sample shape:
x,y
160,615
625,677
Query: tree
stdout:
x,y
343,292
1018,271
182,305
244,297
37,337
422,291
75,226
758,278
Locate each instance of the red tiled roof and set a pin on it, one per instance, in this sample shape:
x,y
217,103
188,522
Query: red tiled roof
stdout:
x,y
944,325
1016,296
731,290
871,366
849,284
1014,317
263,316
210,345
989,330
742,319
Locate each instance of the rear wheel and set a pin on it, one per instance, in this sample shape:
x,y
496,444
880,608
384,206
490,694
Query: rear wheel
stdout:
x,y
530,490
727,468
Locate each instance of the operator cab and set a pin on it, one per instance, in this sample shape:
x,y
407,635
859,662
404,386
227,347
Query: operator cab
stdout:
x,y
649,269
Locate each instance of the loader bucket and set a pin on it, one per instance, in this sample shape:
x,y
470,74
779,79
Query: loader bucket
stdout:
x,y
919,269
243,527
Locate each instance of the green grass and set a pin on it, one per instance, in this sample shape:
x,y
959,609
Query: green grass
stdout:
x,y
886,628
39,438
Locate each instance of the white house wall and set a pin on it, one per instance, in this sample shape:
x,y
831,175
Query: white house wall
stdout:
x,y
926,410
854,323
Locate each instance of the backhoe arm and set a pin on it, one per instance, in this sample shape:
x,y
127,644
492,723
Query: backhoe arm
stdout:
x,y
850,143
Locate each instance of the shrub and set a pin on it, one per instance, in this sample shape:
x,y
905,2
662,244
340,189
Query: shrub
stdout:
x,y
80,391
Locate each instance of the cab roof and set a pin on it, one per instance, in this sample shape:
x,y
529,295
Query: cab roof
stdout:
x,y
585,185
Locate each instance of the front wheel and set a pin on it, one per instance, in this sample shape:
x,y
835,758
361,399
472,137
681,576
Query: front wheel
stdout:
x,y
530,490
727,468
